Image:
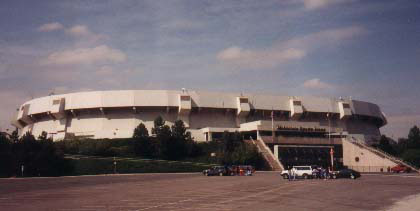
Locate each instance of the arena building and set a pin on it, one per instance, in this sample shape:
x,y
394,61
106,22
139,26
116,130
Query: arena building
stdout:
x,y
285,125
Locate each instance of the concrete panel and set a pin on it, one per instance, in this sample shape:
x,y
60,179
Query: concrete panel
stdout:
x,y
48,126
84,100
206,118
269,102
39,105
316,104
361,159
215,100
118,98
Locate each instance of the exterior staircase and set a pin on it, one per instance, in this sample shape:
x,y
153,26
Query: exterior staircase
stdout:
x,y
274,162
380,153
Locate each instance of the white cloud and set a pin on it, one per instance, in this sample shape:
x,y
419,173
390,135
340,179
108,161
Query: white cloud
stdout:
x,y
259,58
83,32
79,30
286,51
50,27
319,4
316,83
93,55
326,37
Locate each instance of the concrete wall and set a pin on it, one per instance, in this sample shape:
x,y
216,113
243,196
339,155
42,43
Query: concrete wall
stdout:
x,y
368,161
115,114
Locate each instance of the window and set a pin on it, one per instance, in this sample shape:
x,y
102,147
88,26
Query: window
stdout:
x,y
185,98
297,103
243,100
346,105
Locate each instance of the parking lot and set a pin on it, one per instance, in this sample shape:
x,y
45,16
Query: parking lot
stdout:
x,y
263,191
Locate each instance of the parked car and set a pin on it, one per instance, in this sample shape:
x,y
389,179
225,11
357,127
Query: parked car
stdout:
x,y
304,172
400,168
218,171
242,170
345,173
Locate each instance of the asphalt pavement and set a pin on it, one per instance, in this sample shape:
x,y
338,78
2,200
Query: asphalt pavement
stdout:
x,y
193,191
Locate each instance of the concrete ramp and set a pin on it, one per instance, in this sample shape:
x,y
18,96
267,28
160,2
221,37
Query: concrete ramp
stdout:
x,y
361,157
272,160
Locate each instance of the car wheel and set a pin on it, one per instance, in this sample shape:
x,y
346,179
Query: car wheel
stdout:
x,y
285,176
305,176
352,176
334,176
220,174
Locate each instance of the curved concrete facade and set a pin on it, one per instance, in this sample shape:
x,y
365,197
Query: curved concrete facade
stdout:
x,y
115,114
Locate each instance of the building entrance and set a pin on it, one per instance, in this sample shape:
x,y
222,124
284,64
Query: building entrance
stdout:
x,y
307,155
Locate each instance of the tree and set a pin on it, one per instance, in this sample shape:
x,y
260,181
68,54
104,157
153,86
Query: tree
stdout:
x,y
414,138
6,156
39,157
143,145
15,136
43,136
181,143
163,136
385,144
140,131
412,156
231,141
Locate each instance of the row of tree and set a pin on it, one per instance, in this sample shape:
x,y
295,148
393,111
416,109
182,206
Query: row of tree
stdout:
x,y
406,148
172,143
27,156
30,156
175,143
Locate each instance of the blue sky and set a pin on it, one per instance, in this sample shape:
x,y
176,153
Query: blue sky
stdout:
x,y
369,50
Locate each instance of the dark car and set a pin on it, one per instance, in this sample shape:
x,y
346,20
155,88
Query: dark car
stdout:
x,y
345,173
218,171
400,168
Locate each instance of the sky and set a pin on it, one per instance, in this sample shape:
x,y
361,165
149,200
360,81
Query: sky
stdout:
x,y
364,50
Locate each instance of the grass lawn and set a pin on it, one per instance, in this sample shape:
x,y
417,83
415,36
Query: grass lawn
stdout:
x,y
91,165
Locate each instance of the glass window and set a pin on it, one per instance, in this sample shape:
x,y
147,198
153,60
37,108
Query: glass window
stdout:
x,y
297,103
243,100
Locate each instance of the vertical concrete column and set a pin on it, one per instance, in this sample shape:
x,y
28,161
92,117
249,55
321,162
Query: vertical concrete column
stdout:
x,y
184,109
258,135
276,151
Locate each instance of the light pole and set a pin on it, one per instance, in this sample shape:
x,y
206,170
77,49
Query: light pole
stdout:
x,y
115,166
332,158
22,168
329,128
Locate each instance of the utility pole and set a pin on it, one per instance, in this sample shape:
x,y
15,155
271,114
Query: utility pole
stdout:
x,y
273,135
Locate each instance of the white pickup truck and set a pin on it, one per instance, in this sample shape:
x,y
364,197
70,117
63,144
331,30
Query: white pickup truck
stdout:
x,y
300,171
